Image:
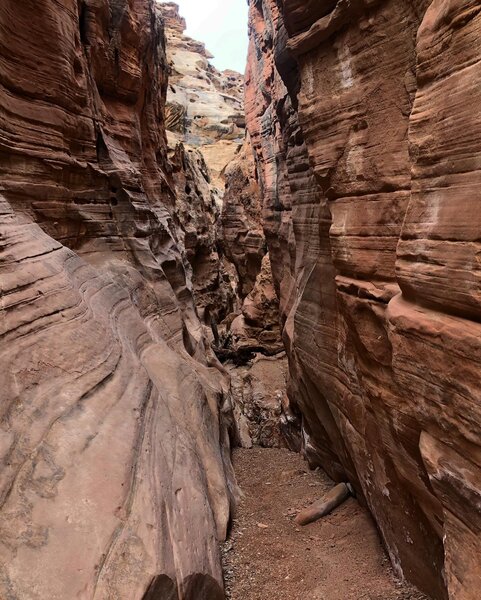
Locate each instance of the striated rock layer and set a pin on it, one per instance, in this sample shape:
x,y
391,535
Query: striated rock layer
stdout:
x,y
205,106
115,479
365,121
218,203
204,120
197,214
256,324
218,209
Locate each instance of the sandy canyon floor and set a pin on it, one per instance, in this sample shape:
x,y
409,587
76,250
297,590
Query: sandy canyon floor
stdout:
x,y
268,557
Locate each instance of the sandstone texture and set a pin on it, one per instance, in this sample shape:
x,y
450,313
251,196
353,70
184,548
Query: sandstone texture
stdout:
x,y
219,209
205,107
218,203
255,326
242,234
258,391
115,475
218,200
365,123
197,215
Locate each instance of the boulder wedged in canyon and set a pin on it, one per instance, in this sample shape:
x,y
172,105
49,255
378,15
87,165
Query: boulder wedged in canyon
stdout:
x,y
364,119
258,391
116,479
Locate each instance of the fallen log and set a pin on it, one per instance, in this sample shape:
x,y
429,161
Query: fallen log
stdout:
x,y
325,505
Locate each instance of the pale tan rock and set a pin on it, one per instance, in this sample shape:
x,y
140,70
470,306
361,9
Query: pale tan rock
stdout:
x,y
204,105
219,155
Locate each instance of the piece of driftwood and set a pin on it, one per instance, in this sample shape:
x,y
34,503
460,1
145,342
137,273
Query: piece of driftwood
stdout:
x,y
325,505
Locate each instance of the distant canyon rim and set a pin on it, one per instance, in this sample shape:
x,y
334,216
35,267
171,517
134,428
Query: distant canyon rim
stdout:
x,y
193,261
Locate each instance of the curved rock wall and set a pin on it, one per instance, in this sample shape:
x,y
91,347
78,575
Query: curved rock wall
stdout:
x,y
112,484
256,326
365,119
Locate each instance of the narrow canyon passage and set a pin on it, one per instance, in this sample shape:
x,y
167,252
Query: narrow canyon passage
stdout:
x,y
226,293
268,557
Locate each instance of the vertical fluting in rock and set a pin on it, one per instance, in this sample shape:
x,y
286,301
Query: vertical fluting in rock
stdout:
x,y
365,119
115,475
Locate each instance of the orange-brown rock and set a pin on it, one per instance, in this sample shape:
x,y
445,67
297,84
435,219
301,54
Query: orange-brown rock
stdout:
x,y
113,448
257,326
217,196
364,117
242,234
197,213
225,241
256,323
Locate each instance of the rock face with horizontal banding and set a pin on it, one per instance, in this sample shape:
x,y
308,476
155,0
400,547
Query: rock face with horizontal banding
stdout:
x,y
115,479
256,325
204,107
364,117
197,214
217,196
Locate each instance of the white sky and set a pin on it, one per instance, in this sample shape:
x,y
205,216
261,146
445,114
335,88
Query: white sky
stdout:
x,y
222,26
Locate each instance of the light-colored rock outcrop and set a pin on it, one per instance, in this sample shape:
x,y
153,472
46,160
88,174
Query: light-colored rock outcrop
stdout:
x,y
364,117
258,391
205,107
115,475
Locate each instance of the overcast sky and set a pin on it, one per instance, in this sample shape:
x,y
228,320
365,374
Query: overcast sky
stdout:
x,y
222,26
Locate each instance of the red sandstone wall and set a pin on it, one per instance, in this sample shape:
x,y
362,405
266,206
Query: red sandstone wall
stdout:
x,y
112,484
367,152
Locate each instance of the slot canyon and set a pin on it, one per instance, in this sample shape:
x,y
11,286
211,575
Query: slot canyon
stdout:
x,y
240,315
